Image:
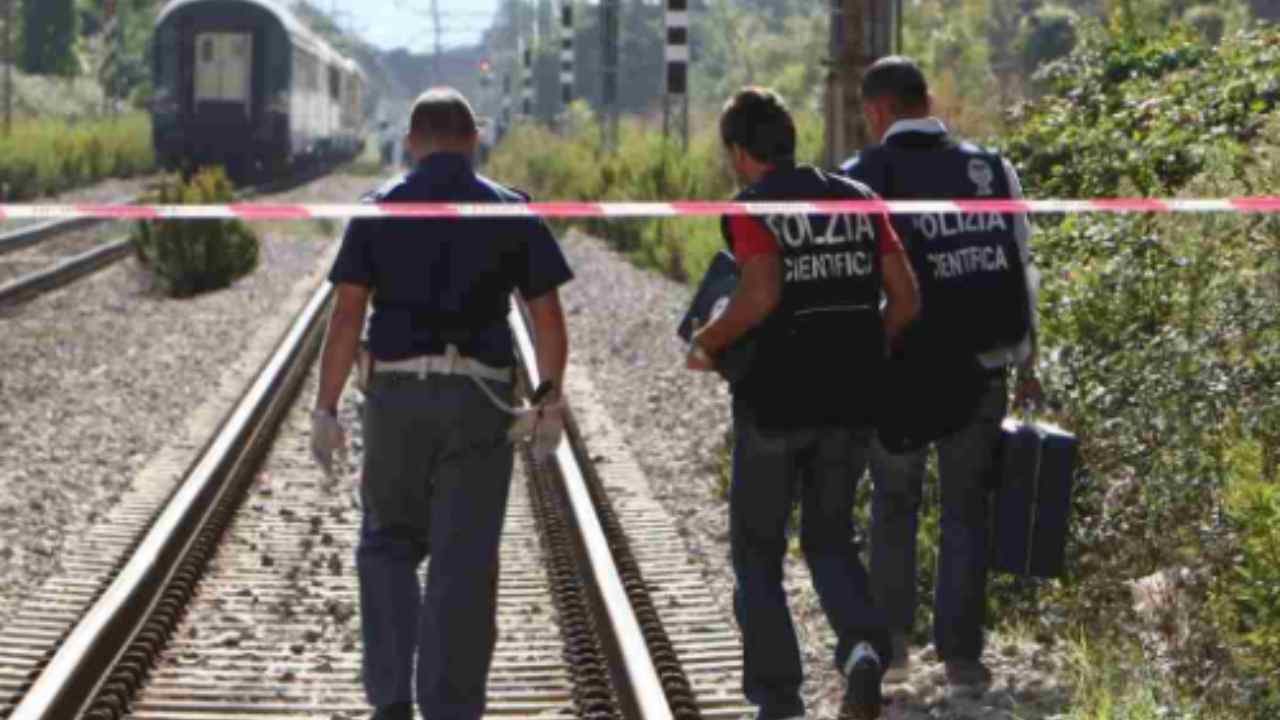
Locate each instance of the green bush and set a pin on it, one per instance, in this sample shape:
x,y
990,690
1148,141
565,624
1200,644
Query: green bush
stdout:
x,y
1162,346
1046,35
574,165
194,256
47,156
1208,21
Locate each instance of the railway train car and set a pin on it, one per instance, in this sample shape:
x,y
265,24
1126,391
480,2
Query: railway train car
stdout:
x,y
244,84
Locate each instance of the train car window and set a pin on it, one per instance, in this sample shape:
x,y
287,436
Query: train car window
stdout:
x,y
335,83
206,50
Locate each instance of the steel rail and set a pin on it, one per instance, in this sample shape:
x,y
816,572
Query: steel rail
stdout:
x,y
65,272
98,258
69,683
25,237
643,683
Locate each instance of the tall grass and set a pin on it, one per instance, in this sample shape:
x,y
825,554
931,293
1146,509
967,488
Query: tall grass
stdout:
x,y
47,156
574,164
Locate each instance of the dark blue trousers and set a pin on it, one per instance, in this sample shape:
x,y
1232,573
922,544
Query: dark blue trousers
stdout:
x,y
437,473
964,461
821,468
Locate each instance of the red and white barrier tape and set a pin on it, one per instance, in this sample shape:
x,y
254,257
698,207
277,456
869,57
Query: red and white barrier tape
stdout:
x,y
253,211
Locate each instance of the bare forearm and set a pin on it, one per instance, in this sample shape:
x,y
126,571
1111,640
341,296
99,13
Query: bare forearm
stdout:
x,y
553,355
550,337
342,342
897,316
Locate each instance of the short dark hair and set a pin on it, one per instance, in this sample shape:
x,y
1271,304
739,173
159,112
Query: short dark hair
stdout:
x,y
443,113
757,120
899,78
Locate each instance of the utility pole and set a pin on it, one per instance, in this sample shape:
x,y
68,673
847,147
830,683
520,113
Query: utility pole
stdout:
x,y
676,100
862,31
609,87
8,67
435,58
526,60
566,52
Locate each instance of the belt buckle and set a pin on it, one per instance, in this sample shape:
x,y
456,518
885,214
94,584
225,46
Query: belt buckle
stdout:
x,y
451,359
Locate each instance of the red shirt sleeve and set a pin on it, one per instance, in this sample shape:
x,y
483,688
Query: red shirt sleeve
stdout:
x,y
751,238
890,243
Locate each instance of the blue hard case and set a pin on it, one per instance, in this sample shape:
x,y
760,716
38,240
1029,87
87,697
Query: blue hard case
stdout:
x,y
1032,499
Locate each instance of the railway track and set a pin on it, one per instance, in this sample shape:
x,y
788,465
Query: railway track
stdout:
x,y
98,255
233,596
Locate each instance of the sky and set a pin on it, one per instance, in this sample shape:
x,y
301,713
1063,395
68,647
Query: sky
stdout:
x,y
393,24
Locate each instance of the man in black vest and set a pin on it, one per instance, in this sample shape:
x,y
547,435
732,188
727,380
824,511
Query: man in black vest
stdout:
x,y
978,288
809,294
437,460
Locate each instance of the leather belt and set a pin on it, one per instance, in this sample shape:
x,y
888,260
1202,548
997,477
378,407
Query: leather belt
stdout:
x,y
451,363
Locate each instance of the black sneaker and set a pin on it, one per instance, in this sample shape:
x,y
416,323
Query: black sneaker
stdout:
x,y
395,711
862,699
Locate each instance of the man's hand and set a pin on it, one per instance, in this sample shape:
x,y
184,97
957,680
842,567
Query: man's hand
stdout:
x,y
1027,392
698,359
327,437
548,429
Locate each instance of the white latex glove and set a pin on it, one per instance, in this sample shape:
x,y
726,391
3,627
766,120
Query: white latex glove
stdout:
x,y
526,419
548,429
327,437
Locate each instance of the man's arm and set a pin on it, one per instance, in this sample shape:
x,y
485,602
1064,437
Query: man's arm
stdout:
x,y
550,338
1027,384
758,294
341,343
902,297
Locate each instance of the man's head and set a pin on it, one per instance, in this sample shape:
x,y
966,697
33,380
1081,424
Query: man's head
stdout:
x,y
893,89
442,121
758,133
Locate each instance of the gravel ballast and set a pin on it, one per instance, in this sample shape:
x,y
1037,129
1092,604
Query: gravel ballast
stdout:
x,y
97,375
622,322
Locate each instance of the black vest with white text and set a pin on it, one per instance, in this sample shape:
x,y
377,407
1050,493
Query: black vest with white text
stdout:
x,y
818,353
971,273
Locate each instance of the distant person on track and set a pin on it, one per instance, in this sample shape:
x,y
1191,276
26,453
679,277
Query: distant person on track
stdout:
x,y
978,287
437,463
809,297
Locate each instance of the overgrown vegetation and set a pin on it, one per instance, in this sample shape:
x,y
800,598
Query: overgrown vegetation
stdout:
x,y
190,257
575,165
1163,350
47,156
1161,341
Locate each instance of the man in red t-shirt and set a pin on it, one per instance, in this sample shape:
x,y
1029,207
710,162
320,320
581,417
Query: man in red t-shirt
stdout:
x,y
810,296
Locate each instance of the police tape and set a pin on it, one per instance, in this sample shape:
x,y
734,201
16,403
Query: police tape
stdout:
x,y
623,210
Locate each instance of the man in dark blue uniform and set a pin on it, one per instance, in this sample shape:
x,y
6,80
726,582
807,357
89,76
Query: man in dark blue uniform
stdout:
x,y
978,287
809,295
437,462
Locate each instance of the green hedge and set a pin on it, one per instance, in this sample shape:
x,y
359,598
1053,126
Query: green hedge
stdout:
x,y
190,257
1162,346
574,165
47,156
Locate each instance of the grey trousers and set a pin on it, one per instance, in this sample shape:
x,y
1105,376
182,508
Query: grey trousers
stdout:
x,y
437,472
964,461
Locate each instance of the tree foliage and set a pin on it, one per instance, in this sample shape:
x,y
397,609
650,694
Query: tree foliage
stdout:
x,y
49,37
1163,344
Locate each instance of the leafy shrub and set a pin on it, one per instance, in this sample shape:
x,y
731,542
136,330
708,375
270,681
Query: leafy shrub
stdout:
x,y
1208,21
575,165
1047,35
1162,345
47,156
194,256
